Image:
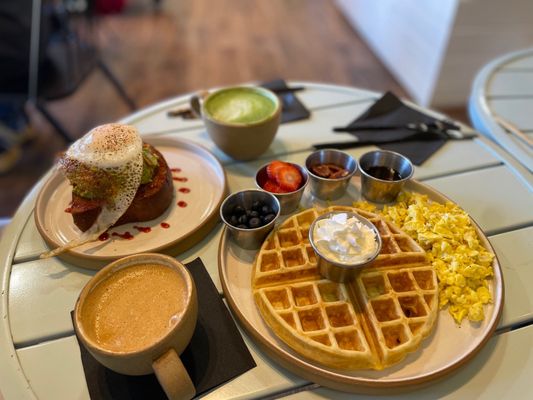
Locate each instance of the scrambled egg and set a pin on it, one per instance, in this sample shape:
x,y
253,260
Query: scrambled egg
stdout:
x,y
463,265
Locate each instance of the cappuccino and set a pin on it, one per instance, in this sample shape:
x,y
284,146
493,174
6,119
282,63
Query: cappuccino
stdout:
x,y
134,307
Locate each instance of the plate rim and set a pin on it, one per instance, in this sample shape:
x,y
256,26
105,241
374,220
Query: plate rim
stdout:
x,y
337,380
172,248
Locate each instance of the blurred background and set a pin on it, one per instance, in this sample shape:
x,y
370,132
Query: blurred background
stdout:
x,y
67,66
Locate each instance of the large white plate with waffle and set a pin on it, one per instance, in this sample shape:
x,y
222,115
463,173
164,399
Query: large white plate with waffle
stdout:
x,y
446,349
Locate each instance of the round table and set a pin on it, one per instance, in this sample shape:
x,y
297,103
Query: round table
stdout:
x,y
40,357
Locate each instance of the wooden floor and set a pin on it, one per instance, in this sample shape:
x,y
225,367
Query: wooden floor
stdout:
x,y
189,45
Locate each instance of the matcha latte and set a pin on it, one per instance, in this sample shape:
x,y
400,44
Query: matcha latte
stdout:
x,y
240,106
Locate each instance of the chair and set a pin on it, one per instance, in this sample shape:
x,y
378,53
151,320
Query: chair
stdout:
x,y
500,101
68,59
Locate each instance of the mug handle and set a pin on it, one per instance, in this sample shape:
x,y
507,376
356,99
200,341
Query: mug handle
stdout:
x,y
173,376
196,103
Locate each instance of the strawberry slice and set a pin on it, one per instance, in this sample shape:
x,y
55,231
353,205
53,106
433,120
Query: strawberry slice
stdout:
x,y
288,177
273,167
273,187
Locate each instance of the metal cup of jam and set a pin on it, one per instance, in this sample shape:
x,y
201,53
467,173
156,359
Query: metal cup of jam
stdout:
x,y
330,172
383,175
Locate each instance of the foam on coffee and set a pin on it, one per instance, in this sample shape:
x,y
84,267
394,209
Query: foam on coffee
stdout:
x,y
134,307
240,106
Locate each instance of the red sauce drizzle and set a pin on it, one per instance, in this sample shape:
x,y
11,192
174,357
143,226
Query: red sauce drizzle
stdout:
x,y
165,225
184,190
182,203
144,229
179,179
125,235
175,169
103,237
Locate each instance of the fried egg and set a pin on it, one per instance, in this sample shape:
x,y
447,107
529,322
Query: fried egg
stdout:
x,y
117,150
108,146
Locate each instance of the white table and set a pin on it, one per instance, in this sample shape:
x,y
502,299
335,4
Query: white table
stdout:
x,y
40,356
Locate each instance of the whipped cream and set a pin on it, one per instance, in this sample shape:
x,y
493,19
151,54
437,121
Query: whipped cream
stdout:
x,y
344,240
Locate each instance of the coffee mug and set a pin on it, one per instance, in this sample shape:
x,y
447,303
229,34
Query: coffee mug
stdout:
x,y
242,121
137,315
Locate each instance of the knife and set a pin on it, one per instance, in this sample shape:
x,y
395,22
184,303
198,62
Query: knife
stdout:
x,y
415,126
456,135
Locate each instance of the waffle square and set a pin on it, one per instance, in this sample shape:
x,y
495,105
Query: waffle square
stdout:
x,y
371,323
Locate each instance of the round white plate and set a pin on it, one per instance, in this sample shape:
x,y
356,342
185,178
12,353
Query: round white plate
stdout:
x,y
448,347
187,225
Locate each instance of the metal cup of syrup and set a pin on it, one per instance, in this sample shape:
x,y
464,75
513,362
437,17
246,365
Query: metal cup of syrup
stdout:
x,y
383,175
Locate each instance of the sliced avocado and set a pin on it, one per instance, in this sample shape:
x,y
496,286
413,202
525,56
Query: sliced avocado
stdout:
x,y
84,192
90,182
150,163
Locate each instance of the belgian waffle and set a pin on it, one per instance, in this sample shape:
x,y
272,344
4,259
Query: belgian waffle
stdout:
x,y
373,322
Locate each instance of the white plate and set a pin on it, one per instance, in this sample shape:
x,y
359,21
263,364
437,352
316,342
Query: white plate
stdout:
x,y
207,183
448,347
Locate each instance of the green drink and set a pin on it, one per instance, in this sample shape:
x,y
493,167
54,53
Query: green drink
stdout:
x,y
239,106
242,121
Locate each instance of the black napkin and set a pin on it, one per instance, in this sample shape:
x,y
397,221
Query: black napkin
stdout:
x,y
216,354
389,110
292,108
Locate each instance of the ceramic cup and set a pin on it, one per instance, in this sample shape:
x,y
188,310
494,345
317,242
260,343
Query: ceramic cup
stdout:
x,y
146,341
242,121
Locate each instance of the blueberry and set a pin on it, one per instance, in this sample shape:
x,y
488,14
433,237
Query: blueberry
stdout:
x,y
248,213
242,226
265,210
256,205
243,219
234,220
268,218
254,223
253,214
238,210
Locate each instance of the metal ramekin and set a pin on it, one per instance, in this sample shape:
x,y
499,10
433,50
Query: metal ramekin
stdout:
x,y
336,271
380,190
327,188
288,201
250,238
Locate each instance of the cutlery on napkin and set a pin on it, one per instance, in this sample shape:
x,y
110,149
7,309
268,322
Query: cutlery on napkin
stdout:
x,y
393,125
418,136
446,127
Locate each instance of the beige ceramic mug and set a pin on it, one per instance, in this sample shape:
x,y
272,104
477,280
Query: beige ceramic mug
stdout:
x,y
242,121
136,315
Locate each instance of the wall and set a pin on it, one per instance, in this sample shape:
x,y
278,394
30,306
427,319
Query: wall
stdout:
x,y
435,47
